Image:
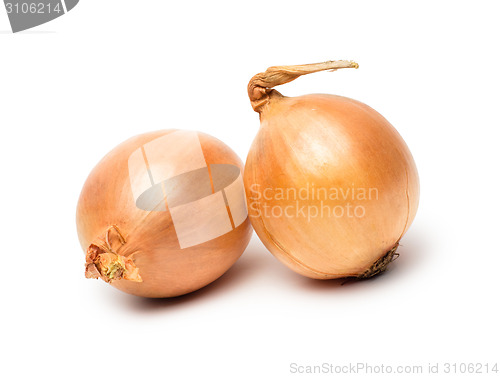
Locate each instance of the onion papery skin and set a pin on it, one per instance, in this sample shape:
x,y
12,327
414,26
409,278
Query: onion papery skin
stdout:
x,y
328,141
151,242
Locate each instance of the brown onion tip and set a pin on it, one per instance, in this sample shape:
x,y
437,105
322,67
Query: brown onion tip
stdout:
x,y
109,266
381,264
260,85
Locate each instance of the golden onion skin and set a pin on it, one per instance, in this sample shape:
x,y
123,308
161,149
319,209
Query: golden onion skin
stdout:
x,y
166,269
328,141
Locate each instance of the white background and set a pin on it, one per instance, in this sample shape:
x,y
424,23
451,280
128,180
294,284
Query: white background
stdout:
x,y
72,89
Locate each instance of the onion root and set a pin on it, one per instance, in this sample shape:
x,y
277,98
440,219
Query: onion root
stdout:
x,y
381,264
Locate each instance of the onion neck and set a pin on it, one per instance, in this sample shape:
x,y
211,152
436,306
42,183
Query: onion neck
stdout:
x,y
259,87
103,262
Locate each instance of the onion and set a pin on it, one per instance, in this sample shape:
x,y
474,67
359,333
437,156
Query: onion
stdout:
x,y
331,186
164,214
